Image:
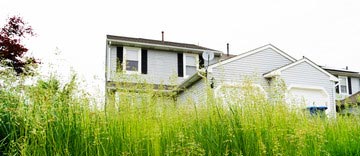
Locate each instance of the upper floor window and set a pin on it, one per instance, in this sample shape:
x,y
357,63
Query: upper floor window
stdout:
x,y
343,85
190,64
132,60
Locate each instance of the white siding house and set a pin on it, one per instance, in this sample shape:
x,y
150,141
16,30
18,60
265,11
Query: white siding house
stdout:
x,y
177,67
304,79
162,64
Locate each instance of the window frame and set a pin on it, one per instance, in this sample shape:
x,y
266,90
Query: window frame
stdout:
x,y
346,83
184,63
125,50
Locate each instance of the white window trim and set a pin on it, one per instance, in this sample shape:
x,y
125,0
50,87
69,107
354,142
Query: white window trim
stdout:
x,y
139,60
347,85
184,63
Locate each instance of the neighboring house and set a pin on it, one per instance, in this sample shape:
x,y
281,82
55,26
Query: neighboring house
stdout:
x,y
349,82
178,68
347,90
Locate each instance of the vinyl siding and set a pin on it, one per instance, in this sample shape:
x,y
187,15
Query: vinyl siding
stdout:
x,y
196,93
254,65
162,68
305,74
213,61
113,62
355,85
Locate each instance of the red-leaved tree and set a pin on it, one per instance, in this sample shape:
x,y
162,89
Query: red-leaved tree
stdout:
x,y
12,50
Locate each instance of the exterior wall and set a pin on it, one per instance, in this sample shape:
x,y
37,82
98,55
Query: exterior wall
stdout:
x,y
254,65
162,68
305,74
113,62
355,85
213,61
196,93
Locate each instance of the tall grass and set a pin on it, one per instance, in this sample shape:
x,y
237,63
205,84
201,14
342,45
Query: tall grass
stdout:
x,y
53,119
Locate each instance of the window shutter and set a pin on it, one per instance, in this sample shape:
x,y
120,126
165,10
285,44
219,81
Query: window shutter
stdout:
x,y
201,61
349,83
144,61
180,65
337,88
120,58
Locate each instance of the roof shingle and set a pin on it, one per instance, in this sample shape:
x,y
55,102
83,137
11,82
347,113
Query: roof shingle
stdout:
x,y
158,42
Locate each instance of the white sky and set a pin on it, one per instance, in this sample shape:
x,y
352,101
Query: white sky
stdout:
x,y
325,31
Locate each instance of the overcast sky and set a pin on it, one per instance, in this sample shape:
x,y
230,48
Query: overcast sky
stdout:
x,y
325,31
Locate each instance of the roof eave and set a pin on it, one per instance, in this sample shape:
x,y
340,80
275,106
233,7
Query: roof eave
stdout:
x,y
189,81
159,46
278,71
256,50
272,74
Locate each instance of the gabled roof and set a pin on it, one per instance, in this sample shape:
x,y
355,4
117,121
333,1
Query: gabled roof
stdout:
x,y
277,72
253,52
339,72
190,81
352,99
158,43
225,57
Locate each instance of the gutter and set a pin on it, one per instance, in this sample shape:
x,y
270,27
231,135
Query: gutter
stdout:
x,y
188,82
165,46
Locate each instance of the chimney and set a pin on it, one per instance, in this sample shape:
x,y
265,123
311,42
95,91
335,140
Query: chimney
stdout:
x,y
347,68
162,36
227,49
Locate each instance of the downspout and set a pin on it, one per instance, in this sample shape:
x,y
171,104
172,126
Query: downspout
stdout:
x,y
106,74
106,62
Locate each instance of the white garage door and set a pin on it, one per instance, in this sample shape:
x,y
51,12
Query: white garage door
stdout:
x,y
308,96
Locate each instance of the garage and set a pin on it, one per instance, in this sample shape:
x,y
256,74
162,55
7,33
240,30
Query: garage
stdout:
x,y
308,96
230,92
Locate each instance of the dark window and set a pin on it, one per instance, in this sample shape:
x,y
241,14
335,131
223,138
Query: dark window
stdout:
x,y
120,58
201,61
132,65
337,88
